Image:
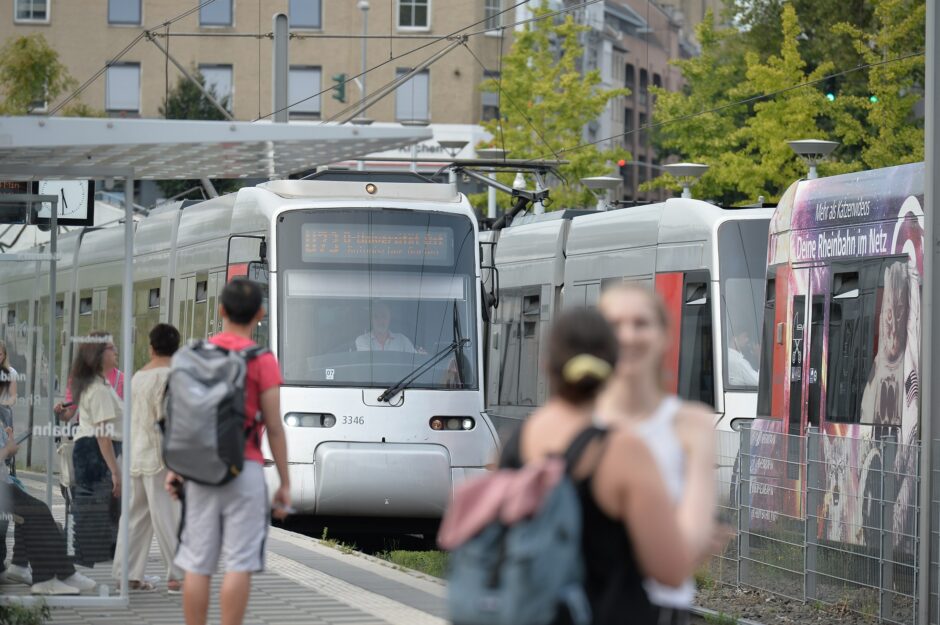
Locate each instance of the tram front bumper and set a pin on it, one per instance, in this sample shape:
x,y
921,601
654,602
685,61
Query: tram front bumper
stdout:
x,y
382,479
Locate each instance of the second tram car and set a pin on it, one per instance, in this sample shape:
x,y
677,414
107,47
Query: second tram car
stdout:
x,y
374,312
707,262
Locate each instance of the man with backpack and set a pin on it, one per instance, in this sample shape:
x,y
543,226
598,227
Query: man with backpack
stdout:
x,y
225,500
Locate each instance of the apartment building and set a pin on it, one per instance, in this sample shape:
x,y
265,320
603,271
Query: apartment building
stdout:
x,y
229,42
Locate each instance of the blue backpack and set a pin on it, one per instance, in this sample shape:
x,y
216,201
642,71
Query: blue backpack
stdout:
x,y
530,571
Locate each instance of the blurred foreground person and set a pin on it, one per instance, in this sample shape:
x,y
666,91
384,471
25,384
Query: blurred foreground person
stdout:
x,y
514,527
151,509
679,434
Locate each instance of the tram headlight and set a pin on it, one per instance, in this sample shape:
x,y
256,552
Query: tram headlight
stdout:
x,y
310,419
452,424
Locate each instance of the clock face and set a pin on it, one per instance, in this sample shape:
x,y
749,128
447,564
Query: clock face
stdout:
x,y
72,198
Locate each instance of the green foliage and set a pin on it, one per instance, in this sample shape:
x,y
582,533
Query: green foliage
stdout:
x,y
896,136
23,615
186,101
433,563
31,74
743,136
545,104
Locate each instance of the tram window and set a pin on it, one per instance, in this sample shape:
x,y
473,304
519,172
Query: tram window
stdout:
x,y
817,329
696,358
11,317
530,305
852,337
59,309
202,291
84,306
768,345
153,298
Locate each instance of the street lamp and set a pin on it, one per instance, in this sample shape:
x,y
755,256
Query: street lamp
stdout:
x,y
363,5
453,147
812,151
491,154
687,173
607,184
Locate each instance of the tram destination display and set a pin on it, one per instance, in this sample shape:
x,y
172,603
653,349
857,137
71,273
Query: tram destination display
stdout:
x,y
365,243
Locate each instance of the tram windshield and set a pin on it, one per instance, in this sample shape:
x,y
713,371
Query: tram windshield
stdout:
x,y
742,255
369,296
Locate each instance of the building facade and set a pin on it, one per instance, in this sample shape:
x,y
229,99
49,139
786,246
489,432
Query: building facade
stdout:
x,y
229,42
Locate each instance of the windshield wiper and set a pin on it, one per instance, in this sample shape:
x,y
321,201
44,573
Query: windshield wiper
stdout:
x,y
409,379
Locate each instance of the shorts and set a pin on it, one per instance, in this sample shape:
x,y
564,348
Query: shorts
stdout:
x,y
231,519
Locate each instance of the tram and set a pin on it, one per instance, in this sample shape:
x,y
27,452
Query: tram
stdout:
x,y
707,262
840,358
374,313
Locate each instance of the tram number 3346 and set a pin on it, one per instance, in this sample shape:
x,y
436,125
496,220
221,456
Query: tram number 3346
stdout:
x,y
349,420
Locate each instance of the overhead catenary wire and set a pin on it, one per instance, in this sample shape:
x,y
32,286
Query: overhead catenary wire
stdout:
x,y
78,91
748,100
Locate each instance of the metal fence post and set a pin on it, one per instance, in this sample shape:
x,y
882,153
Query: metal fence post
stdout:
x,y
744,511
885,516
809,548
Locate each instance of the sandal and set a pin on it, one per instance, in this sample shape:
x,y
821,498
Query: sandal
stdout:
x,y
174,586
141,586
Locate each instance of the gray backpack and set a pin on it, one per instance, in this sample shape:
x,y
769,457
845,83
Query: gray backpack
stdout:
x,y
205,428
530,572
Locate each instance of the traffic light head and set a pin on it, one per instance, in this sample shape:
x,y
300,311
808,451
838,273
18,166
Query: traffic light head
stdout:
x,y
339,91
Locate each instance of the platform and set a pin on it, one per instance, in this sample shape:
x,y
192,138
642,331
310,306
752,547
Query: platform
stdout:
x,y
306,582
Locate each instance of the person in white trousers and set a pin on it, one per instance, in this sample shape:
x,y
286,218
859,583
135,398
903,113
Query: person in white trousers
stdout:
x,y
151,509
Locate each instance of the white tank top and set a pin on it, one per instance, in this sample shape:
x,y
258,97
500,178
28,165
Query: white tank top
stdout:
x,y
659,433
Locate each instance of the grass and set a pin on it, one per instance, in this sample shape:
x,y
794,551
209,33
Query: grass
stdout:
x,y
720,619
22,615
337,544
433,563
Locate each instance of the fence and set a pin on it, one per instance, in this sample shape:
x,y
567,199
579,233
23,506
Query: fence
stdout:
x,y
823,518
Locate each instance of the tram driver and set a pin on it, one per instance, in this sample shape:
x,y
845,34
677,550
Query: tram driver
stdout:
x,y
381,338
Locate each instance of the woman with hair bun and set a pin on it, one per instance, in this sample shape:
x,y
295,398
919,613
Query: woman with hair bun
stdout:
x,y
679,434
629,527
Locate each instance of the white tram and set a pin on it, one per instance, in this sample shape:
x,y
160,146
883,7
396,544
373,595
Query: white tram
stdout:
x,y
707,262
374,312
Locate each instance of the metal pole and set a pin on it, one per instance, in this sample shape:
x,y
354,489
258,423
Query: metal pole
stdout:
x,y
53,244
364,7
491,199
930,401
812,172
127,360
281,28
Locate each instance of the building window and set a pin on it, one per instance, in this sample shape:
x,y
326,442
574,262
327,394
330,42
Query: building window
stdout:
x,y
629,78
123,88
31,10
490,99
218,80
303,89
411,98
305,14
124,11
216,13
414,13
644,86
492,13
643,132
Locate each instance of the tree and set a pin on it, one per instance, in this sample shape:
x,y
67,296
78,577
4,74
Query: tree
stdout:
x,y
31,75
897,135
545,104
186,101
744,137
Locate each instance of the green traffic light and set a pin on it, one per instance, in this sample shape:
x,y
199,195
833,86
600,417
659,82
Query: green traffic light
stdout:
x,y
339,91
831,97
873,99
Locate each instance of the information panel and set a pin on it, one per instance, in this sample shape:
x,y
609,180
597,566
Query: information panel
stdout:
x,y
364,243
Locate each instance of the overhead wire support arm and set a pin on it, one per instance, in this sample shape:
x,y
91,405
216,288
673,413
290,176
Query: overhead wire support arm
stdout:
x,y
205,92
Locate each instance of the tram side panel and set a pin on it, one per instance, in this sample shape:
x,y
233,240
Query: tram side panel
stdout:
x,y
843,360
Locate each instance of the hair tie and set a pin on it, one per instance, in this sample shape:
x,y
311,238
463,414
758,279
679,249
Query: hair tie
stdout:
x,y
583,365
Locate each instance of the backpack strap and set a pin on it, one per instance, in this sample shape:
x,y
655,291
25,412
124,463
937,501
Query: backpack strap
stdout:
x,y
250,353
580,443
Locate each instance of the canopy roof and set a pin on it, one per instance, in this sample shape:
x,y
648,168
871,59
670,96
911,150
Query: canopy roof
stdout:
x,y
50,148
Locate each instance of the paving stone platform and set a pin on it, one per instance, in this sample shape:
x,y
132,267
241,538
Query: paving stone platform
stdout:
x,y
305,582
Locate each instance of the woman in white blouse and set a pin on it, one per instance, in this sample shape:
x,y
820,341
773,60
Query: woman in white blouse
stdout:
x,y
151,510
97,447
